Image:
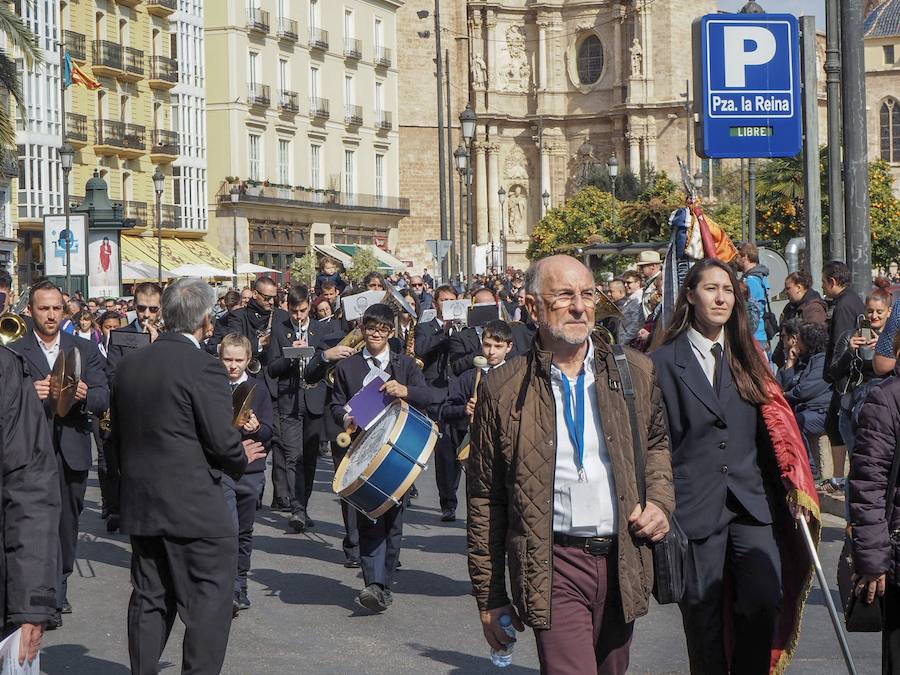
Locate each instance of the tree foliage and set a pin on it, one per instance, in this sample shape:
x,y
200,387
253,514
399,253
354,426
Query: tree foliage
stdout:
x,y
589,214
364,261
19,41
306,268
884,215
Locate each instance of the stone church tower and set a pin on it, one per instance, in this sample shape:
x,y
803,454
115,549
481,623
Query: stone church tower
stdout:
x,y
556,88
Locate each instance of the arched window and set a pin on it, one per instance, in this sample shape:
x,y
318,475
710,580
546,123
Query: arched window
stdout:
x,y
889,130
590,60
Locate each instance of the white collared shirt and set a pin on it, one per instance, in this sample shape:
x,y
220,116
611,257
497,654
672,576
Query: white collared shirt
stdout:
x,y
302,332
243,378
702,348
190,337
51,352
597,466
382,359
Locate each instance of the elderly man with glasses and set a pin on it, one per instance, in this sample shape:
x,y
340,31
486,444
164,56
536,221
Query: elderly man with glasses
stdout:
x,y
420,290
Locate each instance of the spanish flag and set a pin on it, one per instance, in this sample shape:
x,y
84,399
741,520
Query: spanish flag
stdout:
x,y
75,75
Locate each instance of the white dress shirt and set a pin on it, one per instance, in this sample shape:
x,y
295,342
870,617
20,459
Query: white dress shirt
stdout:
x,y
302,332
51,351
600,519
702,348
191,337
382,360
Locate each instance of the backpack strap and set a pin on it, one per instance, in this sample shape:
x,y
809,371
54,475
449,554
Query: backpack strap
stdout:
x,y
627,384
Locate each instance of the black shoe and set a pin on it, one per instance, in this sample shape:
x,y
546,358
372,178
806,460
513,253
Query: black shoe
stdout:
x,y
448,516
283,505
351,563
297,522
242,600
310,522
372,598
388,597
54,622
104,512
235,608
66,608
413,492
112,523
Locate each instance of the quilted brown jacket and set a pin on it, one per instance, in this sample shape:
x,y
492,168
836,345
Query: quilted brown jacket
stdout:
x,y
510,474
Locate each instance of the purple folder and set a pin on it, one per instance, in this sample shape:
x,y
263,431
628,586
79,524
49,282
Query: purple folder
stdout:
x,y
369,404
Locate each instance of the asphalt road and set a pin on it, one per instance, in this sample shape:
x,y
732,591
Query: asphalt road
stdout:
x,y
304,619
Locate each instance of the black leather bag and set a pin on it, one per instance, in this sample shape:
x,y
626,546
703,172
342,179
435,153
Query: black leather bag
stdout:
x,y
670,553
860,616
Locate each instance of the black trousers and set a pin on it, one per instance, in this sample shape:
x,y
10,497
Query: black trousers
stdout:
x,y
348,513
379,545
741,552
447,471
72,486
191,578
890,636
242,496
299,439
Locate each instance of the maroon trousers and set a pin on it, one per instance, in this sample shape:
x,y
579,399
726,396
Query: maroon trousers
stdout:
x,y
588,634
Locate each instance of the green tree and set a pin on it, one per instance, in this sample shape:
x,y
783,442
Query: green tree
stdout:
x,y
884,215
306,267
647,218
587,215
364,261
19,40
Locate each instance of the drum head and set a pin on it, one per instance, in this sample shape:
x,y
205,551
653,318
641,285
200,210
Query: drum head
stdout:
x,y
367,446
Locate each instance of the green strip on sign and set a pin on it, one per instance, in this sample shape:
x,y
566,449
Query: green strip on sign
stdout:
x,y
751,132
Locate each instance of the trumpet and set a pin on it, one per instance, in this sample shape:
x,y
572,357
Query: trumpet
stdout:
x,y
12,327
255,364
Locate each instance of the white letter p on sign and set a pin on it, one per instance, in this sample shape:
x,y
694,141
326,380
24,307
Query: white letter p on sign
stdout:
x,y
739,54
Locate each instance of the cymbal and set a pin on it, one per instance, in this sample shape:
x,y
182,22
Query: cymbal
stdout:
x,y
242,403
64,381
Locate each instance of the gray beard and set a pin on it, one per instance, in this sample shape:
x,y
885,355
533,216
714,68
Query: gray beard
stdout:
x,y
560,335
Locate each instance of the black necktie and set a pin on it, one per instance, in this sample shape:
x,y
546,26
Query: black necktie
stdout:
x,y
716,350
234,385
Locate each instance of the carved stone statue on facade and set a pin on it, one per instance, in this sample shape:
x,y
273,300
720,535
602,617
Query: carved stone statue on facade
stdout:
x,y
516,166
637,58
517,72
517,208
585,160
479,72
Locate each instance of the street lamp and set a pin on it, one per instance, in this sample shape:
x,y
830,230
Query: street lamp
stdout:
x,y
698,181
545,199
66,155
501,194
159,183
467,121
461,159
612,168
235,194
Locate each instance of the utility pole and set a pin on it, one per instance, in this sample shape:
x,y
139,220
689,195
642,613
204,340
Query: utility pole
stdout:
x,y
836,238
689,122
751,199
811,172
454,263
442,154
856,160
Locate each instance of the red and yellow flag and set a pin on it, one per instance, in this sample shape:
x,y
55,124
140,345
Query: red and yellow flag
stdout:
x,y
75,75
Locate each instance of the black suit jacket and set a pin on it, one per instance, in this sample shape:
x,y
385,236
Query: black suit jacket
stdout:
x,y
72,433
262,408
293,398
713,440
433,347
116,352
466,345
173,437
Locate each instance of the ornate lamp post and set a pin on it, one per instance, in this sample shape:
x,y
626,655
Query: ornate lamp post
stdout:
x,y
461,158
612,167
501,195
66,155
159,184
235,198
467,121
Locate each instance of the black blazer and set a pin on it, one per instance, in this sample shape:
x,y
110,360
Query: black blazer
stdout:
x,y
262,408
466,345
713,440
350,373
115,352
247,321
293,398
173,437
71,434
433,347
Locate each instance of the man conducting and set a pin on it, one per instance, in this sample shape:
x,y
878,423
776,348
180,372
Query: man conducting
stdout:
x,y
551,485
172,412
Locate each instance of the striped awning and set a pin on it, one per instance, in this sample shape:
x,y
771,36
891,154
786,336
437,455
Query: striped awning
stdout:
x,y
175,252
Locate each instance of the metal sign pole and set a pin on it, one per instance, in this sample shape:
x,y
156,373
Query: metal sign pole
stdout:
x,y
811,171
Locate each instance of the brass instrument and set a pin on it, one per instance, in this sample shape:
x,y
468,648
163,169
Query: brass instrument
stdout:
x,y
106,421
356,341
605,308
12,327
410,347
242,402
255,364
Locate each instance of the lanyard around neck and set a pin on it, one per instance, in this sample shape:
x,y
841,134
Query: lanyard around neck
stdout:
x,y
575,424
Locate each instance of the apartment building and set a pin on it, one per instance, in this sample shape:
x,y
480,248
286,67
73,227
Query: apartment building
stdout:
x,y
304,146
150,111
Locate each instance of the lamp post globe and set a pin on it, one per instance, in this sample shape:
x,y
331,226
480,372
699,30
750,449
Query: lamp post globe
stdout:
x,y
467,120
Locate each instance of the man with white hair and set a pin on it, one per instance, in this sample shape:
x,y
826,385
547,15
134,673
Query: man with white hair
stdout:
x,y
171,404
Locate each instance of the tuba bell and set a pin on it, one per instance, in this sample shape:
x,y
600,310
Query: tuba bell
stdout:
x,y
356,341
605,308
12,327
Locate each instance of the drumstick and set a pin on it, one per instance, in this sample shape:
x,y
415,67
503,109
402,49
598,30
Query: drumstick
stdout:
x,y
479,362
343,440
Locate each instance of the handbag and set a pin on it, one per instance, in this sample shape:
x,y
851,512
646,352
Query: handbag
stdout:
x,y
670,553
859,616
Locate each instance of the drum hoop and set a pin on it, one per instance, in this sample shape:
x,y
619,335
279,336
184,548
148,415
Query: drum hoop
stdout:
x,y
377,459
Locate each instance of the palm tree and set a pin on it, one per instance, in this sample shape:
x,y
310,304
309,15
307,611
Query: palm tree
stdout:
x,y
19,39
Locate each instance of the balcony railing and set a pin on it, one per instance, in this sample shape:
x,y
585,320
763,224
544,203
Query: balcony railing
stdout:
x,y
168,216
258,19
75,45
352,48
318,38
120,134
323,199
162,7
383,57
384,120
258,94
163,68
134,61
107,54
76,127
289,101
136,211
318,107
287,29
165,142
353,115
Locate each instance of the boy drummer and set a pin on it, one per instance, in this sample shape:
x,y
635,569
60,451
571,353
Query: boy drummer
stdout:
x,y
379,541
242,496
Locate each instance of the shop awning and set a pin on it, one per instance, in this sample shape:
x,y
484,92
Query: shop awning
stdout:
x,y
385,259
175,252
336,253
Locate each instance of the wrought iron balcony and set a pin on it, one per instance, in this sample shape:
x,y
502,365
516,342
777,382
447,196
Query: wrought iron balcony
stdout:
x,y
165,142
383,57
287,29
258,94
384,120
75,45
168,216
318,39
162,8
330,200
258,19
318,107
352,48
107,57
134,64
353,115
163,72
127,140
136,211
289,101
76,129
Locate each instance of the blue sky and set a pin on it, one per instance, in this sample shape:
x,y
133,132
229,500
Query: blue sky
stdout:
x,y
798,7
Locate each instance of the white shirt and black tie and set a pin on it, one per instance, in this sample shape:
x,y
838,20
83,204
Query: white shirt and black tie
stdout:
x,y
378,364
709,355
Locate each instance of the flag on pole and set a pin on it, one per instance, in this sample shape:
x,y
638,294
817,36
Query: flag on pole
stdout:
x,y
73,74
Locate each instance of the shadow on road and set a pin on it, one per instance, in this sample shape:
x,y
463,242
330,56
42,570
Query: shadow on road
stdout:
x,y
419,582
465,664
297,588
76,659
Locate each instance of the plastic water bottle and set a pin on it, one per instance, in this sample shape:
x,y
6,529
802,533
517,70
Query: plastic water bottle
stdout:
x,y
503,657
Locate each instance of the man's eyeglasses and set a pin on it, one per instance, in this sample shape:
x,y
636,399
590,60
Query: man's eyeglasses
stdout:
x,y
418,285
153,309
384,331
564,299
267,298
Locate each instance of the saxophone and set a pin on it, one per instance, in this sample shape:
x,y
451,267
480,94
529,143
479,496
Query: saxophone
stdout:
x,y
410,346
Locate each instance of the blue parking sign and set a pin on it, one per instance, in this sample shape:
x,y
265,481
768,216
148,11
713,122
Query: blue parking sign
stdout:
x,y
747,84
